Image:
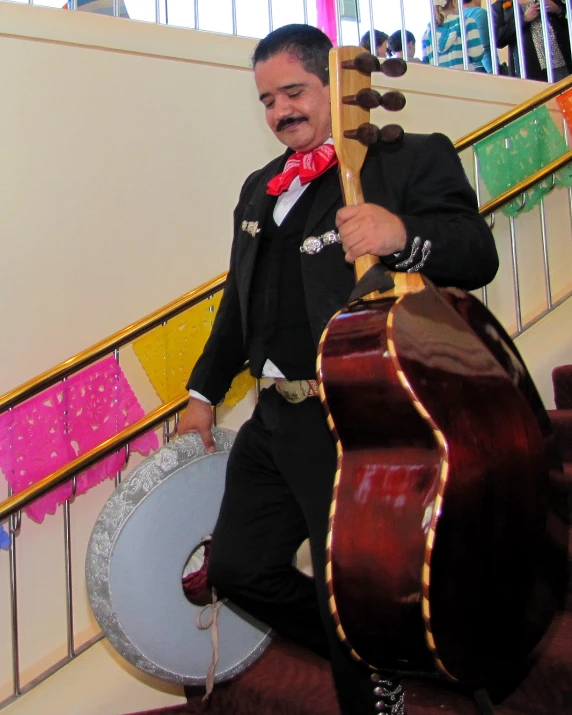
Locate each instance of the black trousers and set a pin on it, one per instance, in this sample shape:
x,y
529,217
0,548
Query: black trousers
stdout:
x,y
278,492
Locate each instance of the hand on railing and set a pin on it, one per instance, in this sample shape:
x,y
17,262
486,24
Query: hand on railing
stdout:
x,y
198,417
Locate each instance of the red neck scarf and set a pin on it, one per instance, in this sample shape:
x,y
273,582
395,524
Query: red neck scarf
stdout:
x,y
307,165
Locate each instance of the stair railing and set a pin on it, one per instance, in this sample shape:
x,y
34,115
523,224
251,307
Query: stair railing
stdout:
x,y
10,508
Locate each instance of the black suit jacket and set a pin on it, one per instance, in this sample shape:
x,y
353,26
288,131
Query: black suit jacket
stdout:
x,y
505,34
420,179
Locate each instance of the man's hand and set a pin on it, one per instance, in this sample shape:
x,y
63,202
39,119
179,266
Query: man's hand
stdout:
x,y
198,417
370,229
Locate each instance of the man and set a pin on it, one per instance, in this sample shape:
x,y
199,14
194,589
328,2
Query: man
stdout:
x,y
421,214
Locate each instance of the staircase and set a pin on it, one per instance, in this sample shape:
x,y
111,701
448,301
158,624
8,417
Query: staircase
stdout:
x,y
289,680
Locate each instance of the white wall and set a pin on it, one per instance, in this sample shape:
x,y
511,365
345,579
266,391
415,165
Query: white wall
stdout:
x,y
123,146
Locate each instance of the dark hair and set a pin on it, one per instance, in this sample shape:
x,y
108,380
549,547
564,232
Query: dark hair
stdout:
x,y
310,45
394,43
380,38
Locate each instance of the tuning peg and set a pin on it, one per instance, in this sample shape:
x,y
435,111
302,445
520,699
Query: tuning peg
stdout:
x,y
364,63
391,134
368,98
394,67
393,101
366,134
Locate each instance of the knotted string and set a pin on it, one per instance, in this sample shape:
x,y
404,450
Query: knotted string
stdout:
x,y
212,623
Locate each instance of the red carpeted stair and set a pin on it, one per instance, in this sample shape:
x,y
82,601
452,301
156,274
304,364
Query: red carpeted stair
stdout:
x,y
288,680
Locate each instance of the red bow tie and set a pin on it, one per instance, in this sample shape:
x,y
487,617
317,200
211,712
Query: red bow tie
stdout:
x,y
307,165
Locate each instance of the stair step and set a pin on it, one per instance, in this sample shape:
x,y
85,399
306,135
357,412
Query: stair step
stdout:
x,y
289,680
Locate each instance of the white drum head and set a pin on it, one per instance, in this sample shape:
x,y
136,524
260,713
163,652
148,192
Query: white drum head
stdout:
x,y
138,549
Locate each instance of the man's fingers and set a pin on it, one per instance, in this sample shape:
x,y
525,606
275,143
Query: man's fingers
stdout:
x,y
208,441
346,214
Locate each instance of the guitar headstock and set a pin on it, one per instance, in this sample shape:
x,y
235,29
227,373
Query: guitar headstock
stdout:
x,y
351,154
352,98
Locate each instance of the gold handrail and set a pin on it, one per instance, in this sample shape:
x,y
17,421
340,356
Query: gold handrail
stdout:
x,y
512,114
114,342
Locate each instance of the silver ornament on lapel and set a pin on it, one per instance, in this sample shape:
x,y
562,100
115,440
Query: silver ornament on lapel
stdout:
x,y
251,227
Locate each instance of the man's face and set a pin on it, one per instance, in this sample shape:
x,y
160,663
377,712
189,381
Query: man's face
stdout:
x,y
297,104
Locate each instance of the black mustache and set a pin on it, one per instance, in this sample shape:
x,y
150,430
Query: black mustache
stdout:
x,y
283,123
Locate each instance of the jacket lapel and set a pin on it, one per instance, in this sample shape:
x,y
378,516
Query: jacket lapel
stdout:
x,y
255,214
329,194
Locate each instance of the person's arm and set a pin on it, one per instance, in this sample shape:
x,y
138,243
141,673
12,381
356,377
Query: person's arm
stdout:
x,y
475,48
441,209
505,30
426,48
483,25
436,231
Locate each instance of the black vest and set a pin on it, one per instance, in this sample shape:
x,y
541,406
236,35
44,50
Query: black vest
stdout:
x,y
279,329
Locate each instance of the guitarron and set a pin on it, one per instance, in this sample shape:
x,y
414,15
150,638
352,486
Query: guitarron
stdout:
x,y
439,558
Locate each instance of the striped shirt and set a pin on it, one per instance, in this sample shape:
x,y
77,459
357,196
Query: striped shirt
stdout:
x,y
450,46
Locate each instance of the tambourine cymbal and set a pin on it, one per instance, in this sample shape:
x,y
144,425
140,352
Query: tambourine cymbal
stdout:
x,y
137,554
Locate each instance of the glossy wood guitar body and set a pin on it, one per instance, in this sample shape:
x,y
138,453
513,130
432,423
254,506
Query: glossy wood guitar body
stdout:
x,y
437,534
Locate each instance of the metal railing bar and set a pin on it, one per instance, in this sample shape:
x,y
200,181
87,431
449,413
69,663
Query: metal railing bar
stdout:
x,y
464,43
51,670
543,314
477,175
234,18
434,43
545,259
372,45
115,341
15,520
512,114
68,577
403,30
515,276
519,42
492,43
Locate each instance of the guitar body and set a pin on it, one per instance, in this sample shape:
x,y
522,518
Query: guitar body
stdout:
x,y
438,533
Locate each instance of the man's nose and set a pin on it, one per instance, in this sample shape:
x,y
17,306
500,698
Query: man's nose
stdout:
x,y
282,107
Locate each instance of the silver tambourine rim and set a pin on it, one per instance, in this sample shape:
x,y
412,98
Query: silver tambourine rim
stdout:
x,y
144,479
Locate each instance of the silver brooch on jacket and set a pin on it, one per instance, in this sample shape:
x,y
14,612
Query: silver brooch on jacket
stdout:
x,y
314,244
251,227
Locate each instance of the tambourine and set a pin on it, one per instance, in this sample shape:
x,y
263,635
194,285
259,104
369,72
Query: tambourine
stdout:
x,y
139,552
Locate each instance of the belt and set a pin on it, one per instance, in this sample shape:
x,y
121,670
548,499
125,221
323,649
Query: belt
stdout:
x,y
296,390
